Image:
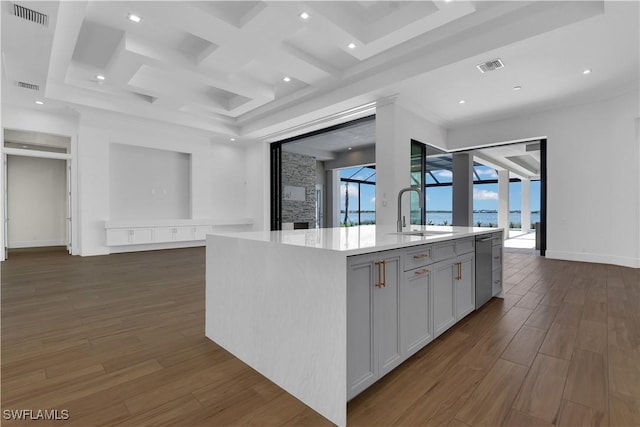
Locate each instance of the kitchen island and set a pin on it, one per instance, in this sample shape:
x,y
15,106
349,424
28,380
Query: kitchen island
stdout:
x,y
324,313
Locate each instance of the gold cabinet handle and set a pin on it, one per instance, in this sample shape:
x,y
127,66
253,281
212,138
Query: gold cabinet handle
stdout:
x,y
384,273
379,283
421,256
419,272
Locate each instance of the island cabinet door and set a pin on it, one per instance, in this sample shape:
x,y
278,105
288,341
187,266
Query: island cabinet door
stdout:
x,y
416,310
373,324
443,276
387,314
361,364
465,286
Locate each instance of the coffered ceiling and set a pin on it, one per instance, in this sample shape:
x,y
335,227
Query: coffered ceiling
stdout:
x,y
258,69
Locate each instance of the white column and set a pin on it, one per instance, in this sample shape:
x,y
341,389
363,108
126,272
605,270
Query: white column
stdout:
x,y
503,200
393,164
525,215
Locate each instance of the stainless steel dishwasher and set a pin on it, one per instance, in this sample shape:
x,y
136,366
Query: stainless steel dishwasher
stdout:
x,y
484,247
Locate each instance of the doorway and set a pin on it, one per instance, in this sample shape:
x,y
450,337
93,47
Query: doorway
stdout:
x,y
37,191
307,182
498,170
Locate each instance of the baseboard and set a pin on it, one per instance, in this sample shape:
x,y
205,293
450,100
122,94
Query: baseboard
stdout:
x,y
36,244
156,246
95,252
595,258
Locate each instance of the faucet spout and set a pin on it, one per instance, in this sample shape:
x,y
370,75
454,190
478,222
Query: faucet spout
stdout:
x,y
401,222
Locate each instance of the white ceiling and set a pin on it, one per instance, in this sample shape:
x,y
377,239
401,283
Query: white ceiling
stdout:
x,y
219,66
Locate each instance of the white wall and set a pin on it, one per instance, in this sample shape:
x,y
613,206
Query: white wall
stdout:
x,y
593,168
396,126
37,202
218,171
146,183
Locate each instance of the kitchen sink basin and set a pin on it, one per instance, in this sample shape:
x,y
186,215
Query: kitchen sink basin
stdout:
x,y
425,233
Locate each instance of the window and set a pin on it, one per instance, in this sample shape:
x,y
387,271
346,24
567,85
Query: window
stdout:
x,y
357,196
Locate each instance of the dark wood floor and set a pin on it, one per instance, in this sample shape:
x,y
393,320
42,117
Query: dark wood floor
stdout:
x,y
119,340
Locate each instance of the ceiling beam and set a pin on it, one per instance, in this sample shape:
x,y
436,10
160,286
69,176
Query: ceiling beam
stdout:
x,y
500,165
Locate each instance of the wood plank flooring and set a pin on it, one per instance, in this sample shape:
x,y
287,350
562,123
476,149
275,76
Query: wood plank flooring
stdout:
x,y
119,341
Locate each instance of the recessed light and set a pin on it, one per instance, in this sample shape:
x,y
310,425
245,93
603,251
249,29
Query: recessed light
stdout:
x,y
517,87
587,71
39,102
350,148
304,15
232,139
100,77
133,18
462,101
351,45
286,78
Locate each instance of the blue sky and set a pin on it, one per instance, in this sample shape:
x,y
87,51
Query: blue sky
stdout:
x,y
485,196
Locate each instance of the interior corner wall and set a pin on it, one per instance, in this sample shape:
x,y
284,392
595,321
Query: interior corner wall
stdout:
x,y
593,175
396,126
218,171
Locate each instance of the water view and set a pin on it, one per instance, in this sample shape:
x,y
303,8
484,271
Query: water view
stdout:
x,y
480,218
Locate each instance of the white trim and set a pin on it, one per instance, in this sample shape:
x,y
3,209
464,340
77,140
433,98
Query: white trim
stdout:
x,y
596,258
36,244
34,153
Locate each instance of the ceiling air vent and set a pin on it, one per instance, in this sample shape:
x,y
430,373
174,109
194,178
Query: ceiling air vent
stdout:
x,y
494,64
30,15
30,86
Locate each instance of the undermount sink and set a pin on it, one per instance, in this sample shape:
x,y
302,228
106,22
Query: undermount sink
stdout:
x,y
424,233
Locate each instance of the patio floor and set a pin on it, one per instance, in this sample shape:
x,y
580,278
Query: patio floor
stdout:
x,y
521,239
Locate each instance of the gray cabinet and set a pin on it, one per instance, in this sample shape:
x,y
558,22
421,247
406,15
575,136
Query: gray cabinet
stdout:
x,y
453,283
443,310
464,286
416,310
496,265
398,301
373,318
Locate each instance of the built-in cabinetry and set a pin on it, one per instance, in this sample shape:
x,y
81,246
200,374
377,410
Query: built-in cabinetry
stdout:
x,y
496,264
373,318
488,267
454,282
122,233
398,301
416,300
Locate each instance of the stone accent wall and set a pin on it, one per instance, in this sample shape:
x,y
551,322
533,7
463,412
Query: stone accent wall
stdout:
x,y
299,171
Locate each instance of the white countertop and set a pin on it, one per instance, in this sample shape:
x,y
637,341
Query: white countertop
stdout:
x,y
361,239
